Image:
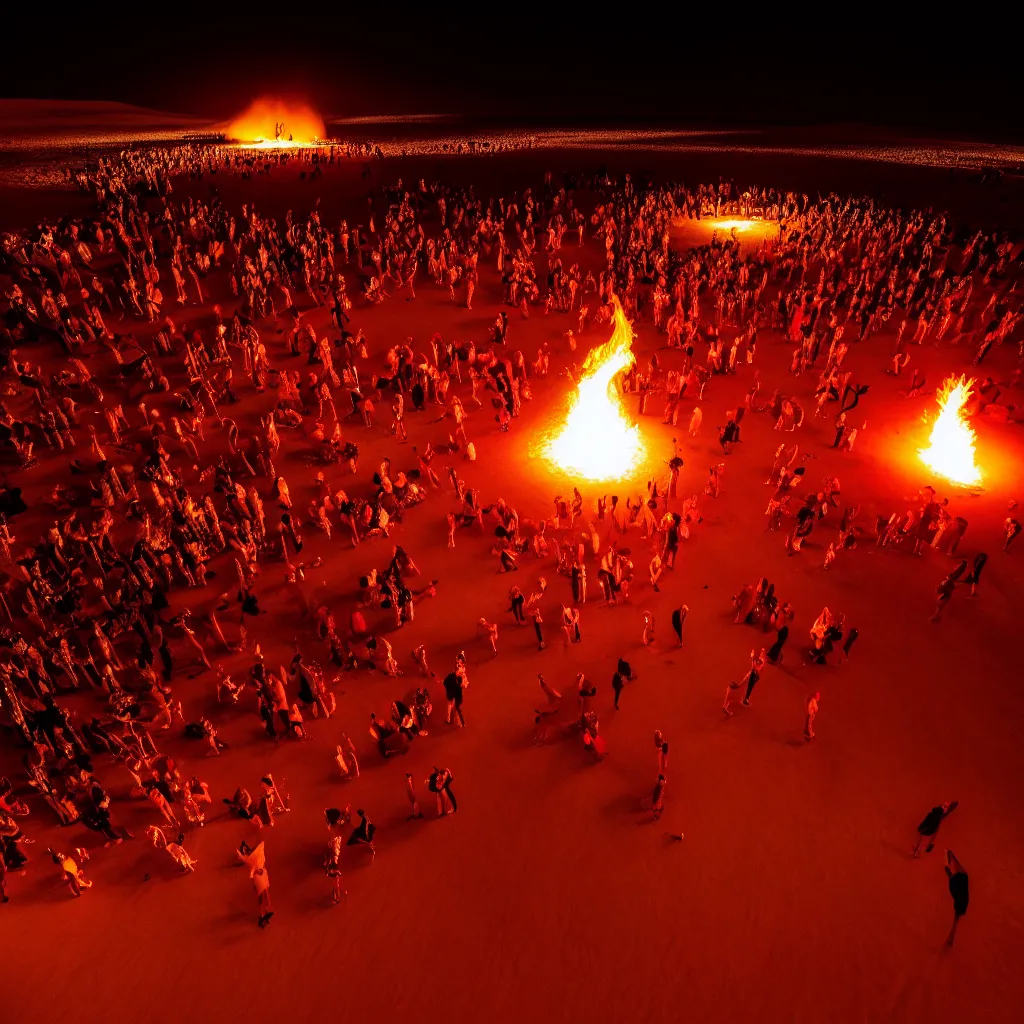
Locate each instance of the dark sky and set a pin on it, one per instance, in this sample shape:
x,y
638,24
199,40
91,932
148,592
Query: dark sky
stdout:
x,y
384,60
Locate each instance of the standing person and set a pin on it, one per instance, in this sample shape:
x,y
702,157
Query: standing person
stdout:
x,y
959,889
648,633
617,686
446,785
410,792
752,677
1011,529
774,653
929,827
332,866
538,627
518,600
658,796
678,620
256,861
812,713
661,745
695,421
730,692
490,630
435,783
419,655
353,760
454,684
851,639
656,568
974,576
945,589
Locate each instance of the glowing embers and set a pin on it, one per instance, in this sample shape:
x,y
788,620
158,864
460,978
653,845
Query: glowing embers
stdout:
x,y
277,124
597,440
950,450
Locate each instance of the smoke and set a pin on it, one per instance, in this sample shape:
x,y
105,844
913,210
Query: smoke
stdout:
x,y
260,118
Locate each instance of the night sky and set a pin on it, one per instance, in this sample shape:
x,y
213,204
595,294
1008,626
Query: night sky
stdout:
x,y
536,70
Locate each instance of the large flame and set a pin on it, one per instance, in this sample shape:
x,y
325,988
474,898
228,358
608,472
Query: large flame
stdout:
x,y
597,441
277,124
950,450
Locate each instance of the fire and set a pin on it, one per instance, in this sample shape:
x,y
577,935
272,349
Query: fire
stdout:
x,y
597,441
734,225
950,450
270,123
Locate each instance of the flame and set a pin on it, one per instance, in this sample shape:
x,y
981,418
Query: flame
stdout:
x,y
950,450
733,225
260,123
597,441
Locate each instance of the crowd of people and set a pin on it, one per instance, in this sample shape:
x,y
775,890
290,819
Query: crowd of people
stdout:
x,y
133,333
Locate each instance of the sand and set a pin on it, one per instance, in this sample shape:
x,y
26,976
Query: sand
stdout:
x,y
551,894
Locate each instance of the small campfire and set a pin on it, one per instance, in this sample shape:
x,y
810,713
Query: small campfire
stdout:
x,y
950,450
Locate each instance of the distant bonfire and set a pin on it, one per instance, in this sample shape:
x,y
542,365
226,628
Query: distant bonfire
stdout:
x,y
277,124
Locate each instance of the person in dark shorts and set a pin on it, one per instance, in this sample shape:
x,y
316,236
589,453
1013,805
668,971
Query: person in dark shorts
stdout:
x,y
958,889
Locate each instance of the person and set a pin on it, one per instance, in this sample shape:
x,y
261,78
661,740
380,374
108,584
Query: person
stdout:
x,y
945,589
256,861
538,627
446,785
974,576
410,792
554,698
1011,530
363,833
695,421
757,661
454,684
678,620
774,653
959,889
332,867
730,690
658,797
661,745
490,630
656,569
648,632
617,687
175,848
812,713
929,827
71,870
851,639
436,785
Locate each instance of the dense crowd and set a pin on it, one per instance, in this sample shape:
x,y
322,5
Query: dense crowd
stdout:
x,y
198,308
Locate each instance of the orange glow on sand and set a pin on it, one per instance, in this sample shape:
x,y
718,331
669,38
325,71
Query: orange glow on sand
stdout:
x,y
597,440
950,450
270,123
